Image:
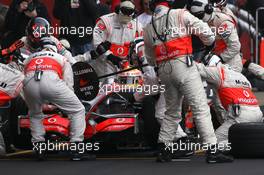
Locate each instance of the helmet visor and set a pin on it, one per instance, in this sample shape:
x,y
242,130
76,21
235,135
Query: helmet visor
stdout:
x,y
127,11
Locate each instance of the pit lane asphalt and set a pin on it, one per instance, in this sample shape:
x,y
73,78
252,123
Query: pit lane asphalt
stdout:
x,y
130,166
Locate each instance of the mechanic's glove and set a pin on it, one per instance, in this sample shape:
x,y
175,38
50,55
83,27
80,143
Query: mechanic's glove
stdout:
x,y
100,49
210,48
205,52
16,45
93,54
246,64
103,47
205,60
114,59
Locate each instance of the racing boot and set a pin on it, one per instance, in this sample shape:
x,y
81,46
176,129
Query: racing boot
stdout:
x,y
213,155
164,153
41,155
183,150
78,155
10,149
2,151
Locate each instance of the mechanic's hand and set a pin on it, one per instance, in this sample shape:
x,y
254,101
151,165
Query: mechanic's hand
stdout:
x,y
100,49
31,14
103,47
93,54
15,46
22,6
208,49
211,59
114,59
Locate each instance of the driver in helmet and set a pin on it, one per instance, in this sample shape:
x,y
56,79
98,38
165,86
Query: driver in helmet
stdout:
x,y
38,28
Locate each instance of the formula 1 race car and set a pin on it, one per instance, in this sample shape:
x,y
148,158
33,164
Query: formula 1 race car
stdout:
x,y
112,119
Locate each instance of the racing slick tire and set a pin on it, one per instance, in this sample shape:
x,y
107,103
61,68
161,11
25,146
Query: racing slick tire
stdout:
x,y
247,140
2,144
151,125
22,139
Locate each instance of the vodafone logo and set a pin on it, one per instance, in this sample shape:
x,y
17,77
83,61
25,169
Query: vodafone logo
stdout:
x,y
246,93
39,61
52,120
120,51
163,50
120,120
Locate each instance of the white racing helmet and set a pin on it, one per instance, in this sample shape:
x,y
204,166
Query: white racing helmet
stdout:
x,y
131,78
202,9
126,11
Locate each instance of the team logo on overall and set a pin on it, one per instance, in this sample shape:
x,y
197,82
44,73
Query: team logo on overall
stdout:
x,y
246,93
163,50
120,51
39,61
